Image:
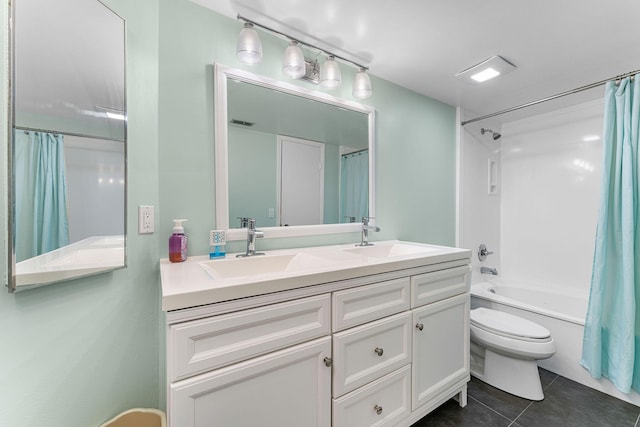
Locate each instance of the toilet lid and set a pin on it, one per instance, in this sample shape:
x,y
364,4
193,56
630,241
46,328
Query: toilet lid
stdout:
x,y
507,324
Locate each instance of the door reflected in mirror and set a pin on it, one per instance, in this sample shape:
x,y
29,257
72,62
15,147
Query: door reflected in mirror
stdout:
x,y
68,151
295,157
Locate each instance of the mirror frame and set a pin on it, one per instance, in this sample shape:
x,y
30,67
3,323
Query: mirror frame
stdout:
x,y
11,281
221,74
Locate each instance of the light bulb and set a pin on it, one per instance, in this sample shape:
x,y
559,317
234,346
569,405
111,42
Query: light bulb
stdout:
x,y
293,62
249,46
330,76
361,85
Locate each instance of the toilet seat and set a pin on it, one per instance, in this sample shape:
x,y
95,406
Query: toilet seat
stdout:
x,y
508,325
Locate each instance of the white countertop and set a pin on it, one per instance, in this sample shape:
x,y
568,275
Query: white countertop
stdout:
x,y
82,258
189,284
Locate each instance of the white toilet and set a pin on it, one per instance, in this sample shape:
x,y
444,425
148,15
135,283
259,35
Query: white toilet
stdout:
x,y
505,350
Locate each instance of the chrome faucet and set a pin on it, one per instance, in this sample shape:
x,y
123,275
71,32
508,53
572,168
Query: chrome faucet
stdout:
x,y
488,270
252,235
365,231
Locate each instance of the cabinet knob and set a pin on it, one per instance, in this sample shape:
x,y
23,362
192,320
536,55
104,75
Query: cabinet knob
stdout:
x,y
379,351
419,326
328,362
378,409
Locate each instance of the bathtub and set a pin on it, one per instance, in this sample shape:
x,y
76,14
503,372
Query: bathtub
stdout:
x,y
562,313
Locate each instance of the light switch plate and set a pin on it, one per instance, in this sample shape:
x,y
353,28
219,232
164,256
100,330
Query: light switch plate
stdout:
x,y
146,219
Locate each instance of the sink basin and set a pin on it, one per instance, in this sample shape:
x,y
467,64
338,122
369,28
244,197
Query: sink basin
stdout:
x,y
262,264
389,251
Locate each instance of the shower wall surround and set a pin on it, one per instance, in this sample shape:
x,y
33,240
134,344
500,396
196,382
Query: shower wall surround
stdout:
x,y
479,208
541,223
66,355
551,172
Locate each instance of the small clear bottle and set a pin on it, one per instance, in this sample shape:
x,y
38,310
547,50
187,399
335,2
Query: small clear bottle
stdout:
x,y
178,242
217,244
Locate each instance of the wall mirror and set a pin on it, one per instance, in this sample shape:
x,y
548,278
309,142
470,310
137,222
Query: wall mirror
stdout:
x,y
67,153
300,162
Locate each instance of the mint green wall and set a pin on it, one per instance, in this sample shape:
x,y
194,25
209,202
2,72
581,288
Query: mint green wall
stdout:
x,y
415,137
76,353
253,177
331,184
248,196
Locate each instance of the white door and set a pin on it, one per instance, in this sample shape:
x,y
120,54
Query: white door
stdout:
x,y
287,388
440,347
301,176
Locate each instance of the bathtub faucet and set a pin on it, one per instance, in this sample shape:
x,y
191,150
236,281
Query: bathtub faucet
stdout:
x,y
488,270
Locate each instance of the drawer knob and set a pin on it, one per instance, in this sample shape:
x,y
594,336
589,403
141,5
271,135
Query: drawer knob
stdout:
x,y
379,351
378,409
328,362
419,326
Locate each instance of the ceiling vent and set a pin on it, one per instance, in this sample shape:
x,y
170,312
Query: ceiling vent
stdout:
x,y
241,123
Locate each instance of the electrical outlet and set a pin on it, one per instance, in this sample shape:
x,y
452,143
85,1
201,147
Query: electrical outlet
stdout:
x,y
146,219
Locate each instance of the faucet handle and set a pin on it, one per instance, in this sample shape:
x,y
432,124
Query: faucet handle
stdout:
x,y
244,221
483,252
366,219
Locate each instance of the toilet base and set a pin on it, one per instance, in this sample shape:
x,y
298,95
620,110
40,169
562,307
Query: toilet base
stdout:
x,y
519,377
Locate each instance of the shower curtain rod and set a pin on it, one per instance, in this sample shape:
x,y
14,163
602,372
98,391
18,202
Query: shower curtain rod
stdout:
x,y
355,152
55,132
552,97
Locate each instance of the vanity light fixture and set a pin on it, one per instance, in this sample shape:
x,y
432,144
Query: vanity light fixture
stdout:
x,y
249,46
486,70
293,63
362,85
330,75
296,66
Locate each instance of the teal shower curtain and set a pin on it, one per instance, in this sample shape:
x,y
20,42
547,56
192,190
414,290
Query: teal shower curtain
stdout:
x,y
41,223
611,346
354,186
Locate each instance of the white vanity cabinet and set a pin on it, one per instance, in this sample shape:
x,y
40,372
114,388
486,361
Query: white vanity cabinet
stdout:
x,y
378,349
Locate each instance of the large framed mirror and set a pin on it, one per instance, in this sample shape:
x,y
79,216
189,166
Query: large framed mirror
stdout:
x,y
300,162
67,150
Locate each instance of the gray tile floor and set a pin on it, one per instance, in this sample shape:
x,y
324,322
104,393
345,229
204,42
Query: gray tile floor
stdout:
x,y
566,404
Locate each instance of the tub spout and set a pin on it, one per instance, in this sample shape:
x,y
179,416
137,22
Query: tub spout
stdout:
x,y
488,270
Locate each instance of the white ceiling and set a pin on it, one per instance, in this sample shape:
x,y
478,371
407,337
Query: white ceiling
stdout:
x,y
557,45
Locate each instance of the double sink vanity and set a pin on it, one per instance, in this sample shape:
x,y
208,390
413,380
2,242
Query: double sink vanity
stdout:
x,y
321,336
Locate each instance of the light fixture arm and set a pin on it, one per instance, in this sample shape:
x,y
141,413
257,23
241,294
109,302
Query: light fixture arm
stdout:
x,y
328,53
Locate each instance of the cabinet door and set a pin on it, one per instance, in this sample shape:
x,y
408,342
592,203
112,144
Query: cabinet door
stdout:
x,y
290,387
440,348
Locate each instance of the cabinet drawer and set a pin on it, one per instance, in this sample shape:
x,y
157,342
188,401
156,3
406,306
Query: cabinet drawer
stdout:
x,y
210,343
366,352
383,402
431,287
353,307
